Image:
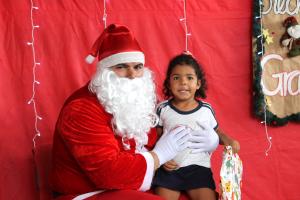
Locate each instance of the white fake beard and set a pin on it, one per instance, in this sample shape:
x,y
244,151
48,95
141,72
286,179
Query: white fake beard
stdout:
x,y
130,101
294,31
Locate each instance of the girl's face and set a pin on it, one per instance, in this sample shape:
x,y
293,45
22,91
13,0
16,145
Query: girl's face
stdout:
x,y
184,83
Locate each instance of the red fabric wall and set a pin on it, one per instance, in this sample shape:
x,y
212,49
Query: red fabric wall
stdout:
x,y
221,40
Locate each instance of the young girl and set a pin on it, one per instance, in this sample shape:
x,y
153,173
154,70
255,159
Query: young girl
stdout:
x,y
189,171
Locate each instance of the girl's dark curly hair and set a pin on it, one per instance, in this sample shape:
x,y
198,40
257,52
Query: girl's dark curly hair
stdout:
x,y
185,59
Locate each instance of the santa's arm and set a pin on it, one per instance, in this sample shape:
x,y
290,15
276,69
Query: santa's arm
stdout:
x,y
91,141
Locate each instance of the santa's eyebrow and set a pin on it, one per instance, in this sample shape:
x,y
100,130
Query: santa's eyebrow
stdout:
x,y
183,74
123,65
139,64
126,65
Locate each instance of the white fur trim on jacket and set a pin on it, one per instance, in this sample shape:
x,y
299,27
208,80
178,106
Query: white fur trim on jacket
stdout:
x,y
149,172
87,195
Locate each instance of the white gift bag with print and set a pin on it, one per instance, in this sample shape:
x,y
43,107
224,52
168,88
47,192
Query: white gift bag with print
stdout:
x,y
231,175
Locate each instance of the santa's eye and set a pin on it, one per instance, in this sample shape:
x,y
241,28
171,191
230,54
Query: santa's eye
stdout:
x,y
139,66
120,66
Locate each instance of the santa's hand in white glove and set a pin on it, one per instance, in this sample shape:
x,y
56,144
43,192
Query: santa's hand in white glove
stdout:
x,y
171,143
203,140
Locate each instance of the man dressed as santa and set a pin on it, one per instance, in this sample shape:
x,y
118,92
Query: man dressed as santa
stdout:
x,y
104,136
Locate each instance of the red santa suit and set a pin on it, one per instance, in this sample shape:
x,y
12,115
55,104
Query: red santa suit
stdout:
x,y
88,156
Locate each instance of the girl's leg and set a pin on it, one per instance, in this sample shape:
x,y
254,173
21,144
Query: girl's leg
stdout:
x,y
167,194
202,194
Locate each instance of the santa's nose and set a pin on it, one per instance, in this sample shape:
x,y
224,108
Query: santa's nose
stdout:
x,y
131,73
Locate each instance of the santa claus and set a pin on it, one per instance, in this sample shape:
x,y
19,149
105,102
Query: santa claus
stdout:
x,y
104,136
291,37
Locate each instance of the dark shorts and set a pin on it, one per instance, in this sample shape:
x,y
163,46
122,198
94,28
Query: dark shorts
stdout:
x,y
185,178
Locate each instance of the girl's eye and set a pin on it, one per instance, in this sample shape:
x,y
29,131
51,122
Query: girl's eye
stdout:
x,y
190,78
175,78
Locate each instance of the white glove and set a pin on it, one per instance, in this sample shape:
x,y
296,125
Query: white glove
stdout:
x,y
204,140
171,143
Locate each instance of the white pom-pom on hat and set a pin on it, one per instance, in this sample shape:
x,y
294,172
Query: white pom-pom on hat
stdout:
x,y
90,59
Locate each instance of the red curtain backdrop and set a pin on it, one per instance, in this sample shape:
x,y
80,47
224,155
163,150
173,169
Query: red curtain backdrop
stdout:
x,y
220,39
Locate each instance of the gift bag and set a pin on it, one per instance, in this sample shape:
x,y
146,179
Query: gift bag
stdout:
x,y
231,175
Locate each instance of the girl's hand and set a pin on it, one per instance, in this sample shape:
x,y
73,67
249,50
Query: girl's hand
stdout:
x,y
170,165
235,146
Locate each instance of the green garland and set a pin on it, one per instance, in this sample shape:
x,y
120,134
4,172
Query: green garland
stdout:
x,y
259,105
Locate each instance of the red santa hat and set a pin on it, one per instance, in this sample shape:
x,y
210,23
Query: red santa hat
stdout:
x,y
290,21
114,46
